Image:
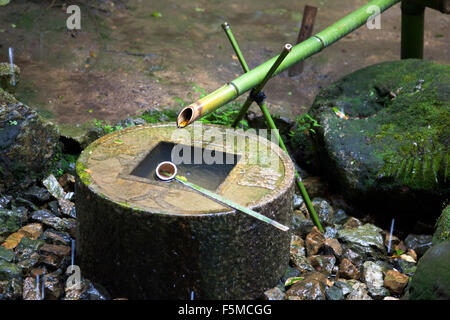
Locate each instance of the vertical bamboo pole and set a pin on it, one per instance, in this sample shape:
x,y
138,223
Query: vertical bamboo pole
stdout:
x,y
413,16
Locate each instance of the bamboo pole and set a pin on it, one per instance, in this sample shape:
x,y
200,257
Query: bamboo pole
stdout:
x,y
413,20
299,52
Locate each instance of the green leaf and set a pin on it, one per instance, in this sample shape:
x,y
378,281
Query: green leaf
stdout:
x,y
156,14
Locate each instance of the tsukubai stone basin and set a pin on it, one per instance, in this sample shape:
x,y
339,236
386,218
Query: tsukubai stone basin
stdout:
x,y
143,238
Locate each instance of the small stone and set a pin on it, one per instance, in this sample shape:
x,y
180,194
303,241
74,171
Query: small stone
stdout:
x,y
297,246
351,223
47,218
51,260
274,294
10,221
323,264
302,264
13,289
324,210
330,233
13,240
58,250
301,225
54,208
6,254
339,216
9,270
332,247
347,270
53,187
28,263
314,240
32,231
307,290
27,243
407,258
395,281
419,243
334,293
67,208
37,195
344,285
298,201
359,292
365,239
57,237
412,254
393,239
373,277
290,273
354,257
30,292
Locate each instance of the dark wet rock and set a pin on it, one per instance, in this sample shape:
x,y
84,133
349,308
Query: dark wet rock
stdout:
x,y
298,201
332,247
419,243
7,74
86,291
27,243
442,232
302,264
431,281
301,225
347,270
30,290
373,277
366,239
57,237
307,289
334,293
359,292
395,281
274,294
19,201
37,195
51,260
380,156
9,270
47,218
53,206
255,121
53,287
351,223
67,208
10,221
13,289
344,286
7,255
340,216
314,240
58,250
28,261
90,136
5,201
314,186
385,267
408,268
291,273
323,264
297,247
324,211
355,258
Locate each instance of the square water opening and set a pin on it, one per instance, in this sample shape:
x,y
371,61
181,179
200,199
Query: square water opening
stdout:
x,y
208,176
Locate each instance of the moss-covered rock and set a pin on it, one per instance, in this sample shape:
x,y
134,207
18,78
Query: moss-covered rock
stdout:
x,y
432,278
383,137
442,232
6,76
27,145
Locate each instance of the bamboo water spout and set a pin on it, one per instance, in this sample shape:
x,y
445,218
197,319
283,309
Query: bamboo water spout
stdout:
x,y
299,52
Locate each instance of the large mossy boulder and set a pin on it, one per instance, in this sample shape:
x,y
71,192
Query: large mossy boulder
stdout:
x,y
431,281
27,144
384,135
442,232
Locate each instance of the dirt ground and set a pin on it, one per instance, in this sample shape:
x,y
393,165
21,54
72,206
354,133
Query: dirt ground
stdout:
x,y
140,54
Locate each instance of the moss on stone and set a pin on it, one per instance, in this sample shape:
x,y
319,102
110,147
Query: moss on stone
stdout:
x,y
442,232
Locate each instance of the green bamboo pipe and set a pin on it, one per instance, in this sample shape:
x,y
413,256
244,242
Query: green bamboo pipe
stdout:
x,y
226,27
299,52
286,49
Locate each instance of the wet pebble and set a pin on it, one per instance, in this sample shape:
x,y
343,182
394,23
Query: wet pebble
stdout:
x,y
274,294
347,270
395,281
419,243
314,240
373,277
